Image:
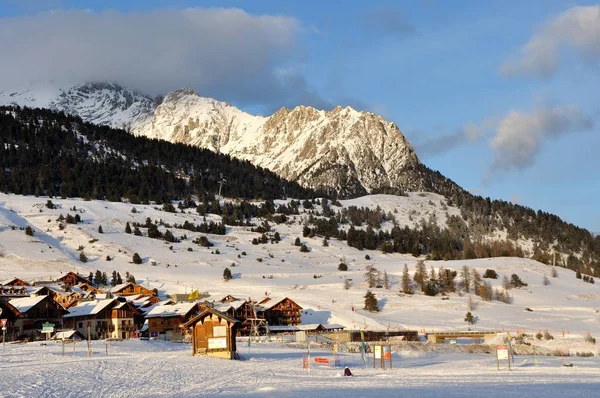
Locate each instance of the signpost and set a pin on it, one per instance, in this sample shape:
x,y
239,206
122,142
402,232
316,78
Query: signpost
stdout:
x,y
382,353
4,321
48,328
502,352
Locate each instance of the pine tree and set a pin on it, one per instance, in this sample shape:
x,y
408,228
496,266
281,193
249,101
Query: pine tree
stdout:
x,y
371,302
119,279
127,228
129,278
82,257
465,277
227,274
406,288
371,276
297,242
98,278
469,318
104,279
113,279
420,276
100,231
325,242
91,278
136,258
386,280
29,231
578,275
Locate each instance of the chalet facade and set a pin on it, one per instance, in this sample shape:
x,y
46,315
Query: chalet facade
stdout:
x,y
130,289
280,311
27,314
213,334
164,321
14,282
108,318
72,279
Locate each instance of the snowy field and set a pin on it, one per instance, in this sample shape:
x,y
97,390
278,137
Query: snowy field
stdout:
x,y
161,369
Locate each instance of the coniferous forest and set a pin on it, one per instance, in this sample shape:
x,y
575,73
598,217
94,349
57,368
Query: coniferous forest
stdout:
x,y
49,153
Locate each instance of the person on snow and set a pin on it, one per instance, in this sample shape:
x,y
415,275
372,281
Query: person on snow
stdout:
x,y
347,371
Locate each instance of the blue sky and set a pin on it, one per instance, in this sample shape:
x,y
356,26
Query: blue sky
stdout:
x,y
500,96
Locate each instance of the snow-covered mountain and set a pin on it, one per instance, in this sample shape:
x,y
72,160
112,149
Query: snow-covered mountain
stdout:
x,y
345,150
100,103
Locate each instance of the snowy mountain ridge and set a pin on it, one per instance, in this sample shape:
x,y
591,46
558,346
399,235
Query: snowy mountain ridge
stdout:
x,y
344,150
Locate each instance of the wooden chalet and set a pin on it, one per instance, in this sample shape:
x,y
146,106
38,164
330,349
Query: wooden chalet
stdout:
x,y
164,320
213,334
28,314
14,282
280,311
63,297
242,310
108,318
72,279
130,288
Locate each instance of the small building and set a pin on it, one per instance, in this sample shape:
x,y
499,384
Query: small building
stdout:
x,y
213,334
29,314
130,289
108,318
69,335
14,282
72,279
280,311
164,320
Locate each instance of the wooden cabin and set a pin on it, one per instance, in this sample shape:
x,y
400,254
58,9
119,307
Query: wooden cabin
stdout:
x,y
31,312
213,334
280,312
72,279
164,320
130,288
108,318
15,282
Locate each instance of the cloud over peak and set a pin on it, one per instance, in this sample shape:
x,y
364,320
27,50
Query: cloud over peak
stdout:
x,y
577,28
223,53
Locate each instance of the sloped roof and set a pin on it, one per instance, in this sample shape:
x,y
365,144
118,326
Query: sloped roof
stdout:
x,y
24,304
208,311
164,311
87,308
273,301
117,288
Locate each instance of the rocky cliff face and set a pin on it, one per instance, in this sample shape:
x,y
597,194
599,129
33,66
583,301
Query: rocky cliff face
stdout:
x,y
343,150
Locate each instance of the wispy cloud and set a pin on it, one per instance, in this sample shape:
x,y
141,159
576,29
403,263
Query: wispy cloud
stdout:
x,y
468,134
577,28
223,53
520,136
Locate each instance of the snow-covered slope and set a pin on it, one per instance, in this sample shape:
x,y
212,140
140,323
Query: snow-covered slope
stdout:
x,y
345,150
312,279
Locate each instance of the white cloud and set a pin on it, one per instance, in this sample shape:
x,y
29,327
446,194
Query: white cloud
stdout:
x,y
520,136
223,53
577,28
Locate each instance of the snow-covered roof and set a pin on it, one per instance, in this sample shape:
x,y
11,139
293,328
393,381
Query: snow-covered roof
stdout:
x,y
163,311
86,308
67,335
332,326
58,289
24,304
117,288
272,302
